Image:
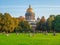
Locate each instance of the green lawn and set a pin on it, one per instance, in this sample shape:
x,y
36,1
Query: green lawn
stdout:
x,y
25,39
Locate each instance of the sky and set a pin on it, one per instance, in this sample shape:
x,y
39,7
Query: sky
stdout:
x,y
41,7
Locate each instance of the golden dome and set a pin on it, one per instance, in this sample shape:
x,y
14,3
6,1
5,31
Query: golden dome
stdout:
x,y
30,15
30,9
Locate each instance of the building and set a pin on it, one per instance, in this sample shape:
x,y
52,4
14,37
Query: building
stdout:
x,y
38,19
30,16
21,18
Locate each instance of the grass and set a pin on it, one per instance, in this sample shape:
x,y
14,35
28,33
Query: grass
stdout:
x,y
26,39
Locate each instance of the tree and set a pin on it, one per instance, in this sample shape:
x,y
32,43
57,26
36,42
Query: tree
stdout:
x,y
8,23
16,22
25,26
49,22
38,25
56,23
42,24
1,21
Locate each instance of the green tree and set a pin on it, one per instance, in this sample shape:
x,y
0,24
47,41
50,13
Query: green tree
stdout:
x,y
49,22
56,23
25,26
38,26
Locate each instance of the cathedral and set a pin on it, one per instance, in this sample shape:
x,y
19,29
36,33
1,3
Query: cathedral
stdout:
x,y
30,16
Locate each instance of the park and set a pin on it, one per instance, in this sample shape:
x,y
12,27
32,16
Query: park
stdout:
x,y
29,22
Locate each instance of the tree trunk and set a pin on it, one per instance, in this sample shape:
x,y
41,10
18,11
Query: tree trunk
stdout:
x,y
17,33
54,33
7,34
45,32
